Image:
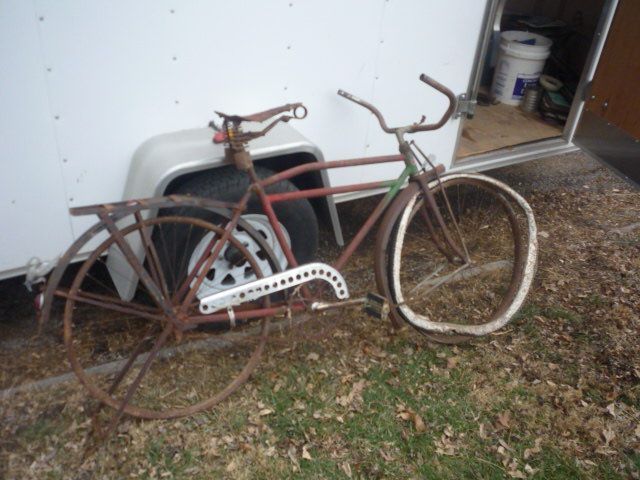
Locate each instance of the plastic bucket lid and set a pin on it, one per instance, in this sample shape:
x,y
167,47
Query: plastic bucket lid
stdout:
x,y
527,45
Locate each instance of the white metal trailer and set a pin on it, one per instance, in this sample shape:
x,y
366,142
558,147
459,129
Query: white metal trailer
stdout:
x,y
106,100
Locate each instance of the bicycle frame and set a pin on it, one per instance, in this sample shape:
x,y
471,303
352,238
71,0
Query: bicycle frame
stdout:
x,y
235,141
411,172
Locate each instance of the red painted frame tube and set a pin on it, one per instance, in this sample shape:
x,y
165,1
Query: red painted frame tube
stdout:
x,y
268,200
315,166
322,192
247,314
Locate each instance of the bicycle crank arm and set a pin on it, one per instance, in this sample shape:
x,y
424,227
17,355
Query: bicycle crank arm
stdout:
x,y
276,283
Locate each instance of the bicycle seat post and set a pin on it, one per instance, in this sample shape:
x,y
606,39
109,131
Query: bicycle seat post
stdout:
x,y
235,149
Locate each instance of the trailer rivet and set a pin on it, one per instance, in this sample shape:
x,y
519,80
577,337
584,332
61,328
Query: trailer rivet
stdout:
x,y
285,88
64,160
177,102
175,58
41,19
57,117
288,47
172,11
48,69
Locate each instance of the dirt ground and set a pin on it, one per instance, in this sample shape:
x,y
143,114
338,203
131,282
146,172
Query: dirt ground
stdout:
x,y
556,394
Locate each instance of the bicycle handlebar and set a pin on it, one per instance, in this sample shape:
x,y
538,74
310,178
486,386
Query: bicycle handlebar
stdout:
x,y
369,107
416,127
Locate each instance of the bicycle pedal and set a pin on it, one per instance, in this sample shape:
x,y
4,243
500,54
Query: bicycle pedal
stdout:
x,y
376,306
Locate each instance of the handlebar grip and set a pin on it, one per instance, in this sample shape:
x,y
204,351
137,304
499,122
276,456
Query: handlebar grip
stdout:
x,y
437,85
369,107
447,115
349,96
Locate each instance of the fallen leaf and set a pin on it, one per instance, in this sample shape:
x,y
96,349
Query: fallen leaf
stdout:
x,y
516,474
504,444
232,466
406,415
265,411
291,453
528,452
504,418
305,452
452,362
386,456
354,398
611,409
419,424
313,357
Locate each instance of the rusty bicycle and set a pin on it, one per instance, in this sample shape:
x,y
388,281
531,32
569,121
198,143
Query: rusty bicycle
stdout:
x,y
176,294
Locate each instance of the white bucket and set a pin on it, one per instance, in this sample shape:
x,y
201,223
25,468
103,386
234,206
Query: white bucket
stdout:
x,y
520,62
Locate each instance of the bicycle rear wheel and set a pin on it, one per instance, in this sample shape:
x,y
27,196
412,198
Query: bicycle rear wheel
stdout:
x,y
110,335
433,288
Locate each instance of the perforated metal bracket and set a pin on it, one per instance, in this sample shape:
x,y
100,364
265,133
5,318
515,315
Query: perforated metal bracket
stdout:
x,y
276,283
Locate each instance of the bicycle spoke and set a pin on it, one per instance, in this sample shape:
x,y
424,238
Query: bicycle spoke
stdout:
x,y
130,362
136,382
152,256
110,303
100,326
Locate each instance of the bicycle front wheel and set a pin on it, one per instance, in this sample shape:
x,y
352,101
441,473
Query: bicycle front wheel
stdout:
x,y
439,291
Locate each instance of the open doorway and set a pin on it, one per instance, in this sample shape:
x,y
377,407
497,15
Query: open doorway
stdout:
x,y
504,119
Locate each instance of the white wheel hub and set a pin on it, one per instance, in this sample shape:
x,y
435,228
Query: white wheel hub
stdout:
x,y
225,274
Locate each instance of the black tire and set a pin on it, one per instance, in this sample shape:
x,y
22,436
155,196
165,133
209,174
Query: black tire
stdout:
x,y
227,184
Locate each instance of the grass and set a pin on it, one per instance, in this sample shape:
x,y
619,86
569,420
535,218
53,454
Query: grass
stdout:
x,y
366,436
167,460
390,447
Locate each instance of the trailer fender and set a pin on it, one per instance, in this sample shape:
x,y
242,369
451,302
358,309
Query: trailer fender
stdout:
x,y
167,157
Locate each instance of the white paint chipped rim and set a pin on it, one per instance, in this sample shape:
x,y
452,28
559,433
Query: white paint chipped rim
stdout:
x,y
422,322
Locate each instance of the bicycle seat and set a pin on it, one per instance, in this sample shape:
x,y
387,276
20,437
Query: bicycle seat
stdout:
x,y
267,114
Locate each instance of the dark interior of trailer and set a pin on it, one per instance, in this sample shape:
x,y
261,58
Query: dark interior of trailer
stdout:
x,y
571,26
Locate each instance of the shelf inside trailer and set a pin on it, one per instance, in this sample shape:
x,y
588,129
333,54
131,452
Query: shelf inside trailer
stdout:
x,y
499,126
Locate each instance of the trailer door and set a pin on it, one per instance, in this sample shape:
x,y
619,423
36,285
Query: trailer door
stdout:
x,y
609,127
